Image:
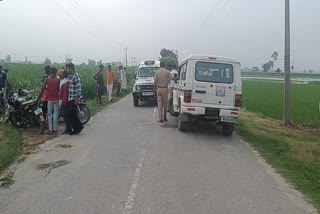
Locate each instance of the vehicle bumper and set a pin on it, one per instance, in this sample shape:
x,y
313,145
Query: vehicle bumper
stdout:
x,y
211,114
144,94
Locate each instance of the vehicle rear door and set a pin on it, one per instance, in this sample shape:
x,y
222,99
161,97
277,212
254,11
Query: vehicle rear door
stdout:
x,y
213,83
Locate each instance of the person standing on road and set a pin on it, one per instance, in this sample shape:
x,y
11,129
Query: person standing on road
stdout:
x,y
100,84
110,80
124,80
75,89
52,86
64,94
119,79
44,95
161,80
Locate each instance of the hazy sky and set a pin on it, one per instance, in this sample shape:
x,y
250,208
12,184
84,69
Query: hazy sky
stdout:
x,y
246,29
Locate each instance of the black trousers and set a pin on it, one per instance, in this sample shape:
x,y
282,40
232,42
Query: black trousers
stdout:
x,y
65,112
118,88
76,125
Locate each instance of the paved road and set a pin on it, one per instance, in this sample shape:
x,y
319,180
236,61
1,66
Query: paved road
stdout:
x,y
126,162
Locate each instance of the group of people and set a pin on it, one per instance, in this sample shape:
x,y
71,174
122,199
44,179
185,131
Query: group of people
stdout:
x,y
62,91
118,80
164,83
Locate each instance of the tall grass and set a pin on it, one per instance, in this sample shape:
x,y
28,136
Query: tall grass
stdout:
x,y
267,98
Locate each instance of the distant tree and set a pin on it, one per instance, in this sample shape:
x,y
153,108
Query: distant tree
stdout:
x,y
255,69
168,53
8,59
305,71
278,70
271,63
274,56
47,61
310,71
169,57
91,62
266,67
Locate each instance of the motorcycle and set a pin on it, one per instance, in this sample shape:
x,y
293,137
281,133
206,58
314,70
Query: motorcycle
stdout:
x,y
83,112
23,113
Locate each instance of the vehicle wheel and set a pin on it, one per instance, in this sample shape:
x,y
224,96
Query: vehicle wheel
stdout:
x,y
136,101
227,129
84,114
16,120
171,111
182,125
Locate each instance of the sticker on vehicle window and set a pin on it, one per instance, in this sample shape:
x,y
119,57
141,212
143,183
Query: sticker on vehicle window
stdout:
x,y
220,91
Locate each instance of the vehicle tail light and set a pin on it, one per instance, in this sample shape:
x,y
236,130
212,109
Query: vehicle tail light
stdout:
x,y
238,100
187,96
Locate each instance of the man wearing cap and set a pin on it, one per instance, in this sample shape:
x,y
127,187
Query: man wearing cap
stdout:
x,y
100,84
110,80
161,80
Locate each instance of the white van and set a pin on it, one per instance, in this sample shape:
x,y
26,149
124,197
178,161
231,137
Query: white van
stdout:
x,y
209,89
144,81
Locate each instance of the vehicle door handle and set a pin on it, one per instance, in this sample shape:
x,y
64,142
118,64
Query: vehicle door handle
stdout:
x,y
200,91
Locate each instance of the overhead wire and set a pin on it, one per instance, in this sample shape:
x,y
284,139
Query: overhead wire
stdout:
x,y
212,15
93,22
81,25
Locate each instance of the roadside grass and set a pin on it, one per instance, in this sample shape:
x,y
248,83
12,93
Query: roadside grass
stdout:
x,y
10,141
293,152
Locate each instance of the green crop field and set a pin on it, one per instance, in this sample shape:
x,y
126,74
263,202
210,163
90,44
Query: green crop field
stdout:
x,y
267,98
29,77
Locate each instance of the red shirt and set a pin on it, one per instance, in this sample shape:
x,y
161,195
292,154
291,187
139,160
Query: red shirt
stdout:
x,y
64,93
53,88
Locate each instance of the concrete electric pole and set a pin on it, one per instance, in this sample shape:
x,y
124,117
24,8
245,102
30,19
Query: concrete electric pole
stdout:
x,y
286,106
126,50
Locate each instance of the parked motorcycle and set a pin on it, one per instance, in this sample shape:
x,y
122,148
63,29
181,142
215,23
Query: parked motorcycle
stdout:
x,y
83,112
23,113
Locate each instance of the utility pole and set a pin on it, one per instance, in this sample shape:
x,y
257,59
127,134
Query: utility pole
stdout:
x,y
126,50
286,107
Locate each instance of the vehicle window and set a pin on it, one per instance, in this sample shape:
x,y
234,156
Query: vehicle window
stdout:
x,y
147,71
214,72
183,72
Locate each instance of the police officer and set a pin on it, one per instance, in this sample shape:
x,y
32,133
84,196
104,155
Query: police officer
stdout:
x,y
161,80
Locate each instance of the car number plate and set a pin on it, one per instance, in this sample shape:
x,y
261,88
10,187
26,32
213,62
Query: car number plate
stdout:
x,y
38,111
228,119
147,93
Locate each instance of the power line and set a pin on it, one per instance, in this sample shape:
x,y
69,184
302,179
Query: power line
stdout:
x,y
92,22
82,26
208,20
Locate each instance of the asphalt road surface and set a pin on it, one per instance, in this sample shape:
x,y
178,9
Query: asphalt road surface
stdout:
x,y
124,161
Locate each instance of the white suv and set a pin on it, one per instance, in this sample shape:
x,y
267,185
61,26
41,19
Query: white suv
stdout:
x,y
144,81
209,89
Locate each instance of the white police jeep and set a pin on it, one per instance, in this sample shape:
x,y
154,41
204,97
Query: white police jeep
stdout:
x,y
209,89
144,81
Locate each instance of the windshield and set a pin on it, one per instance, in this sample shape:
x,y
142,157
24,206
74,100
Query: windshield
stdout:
x,y
214,72
147,71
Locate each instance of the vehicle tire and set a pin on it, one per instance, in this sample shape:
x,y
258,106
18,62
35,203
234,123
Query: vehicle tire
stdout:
x,y
182,125
227,129
136,101
84,114
171,111
16,120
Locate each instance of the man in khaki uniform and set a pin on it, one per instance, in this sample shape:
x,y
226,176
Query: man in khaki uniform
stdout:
x,y
161,80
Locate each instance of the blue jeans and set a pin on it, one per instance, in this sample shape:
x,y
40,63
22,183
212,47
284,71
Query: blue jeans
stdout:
x,y
53,107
